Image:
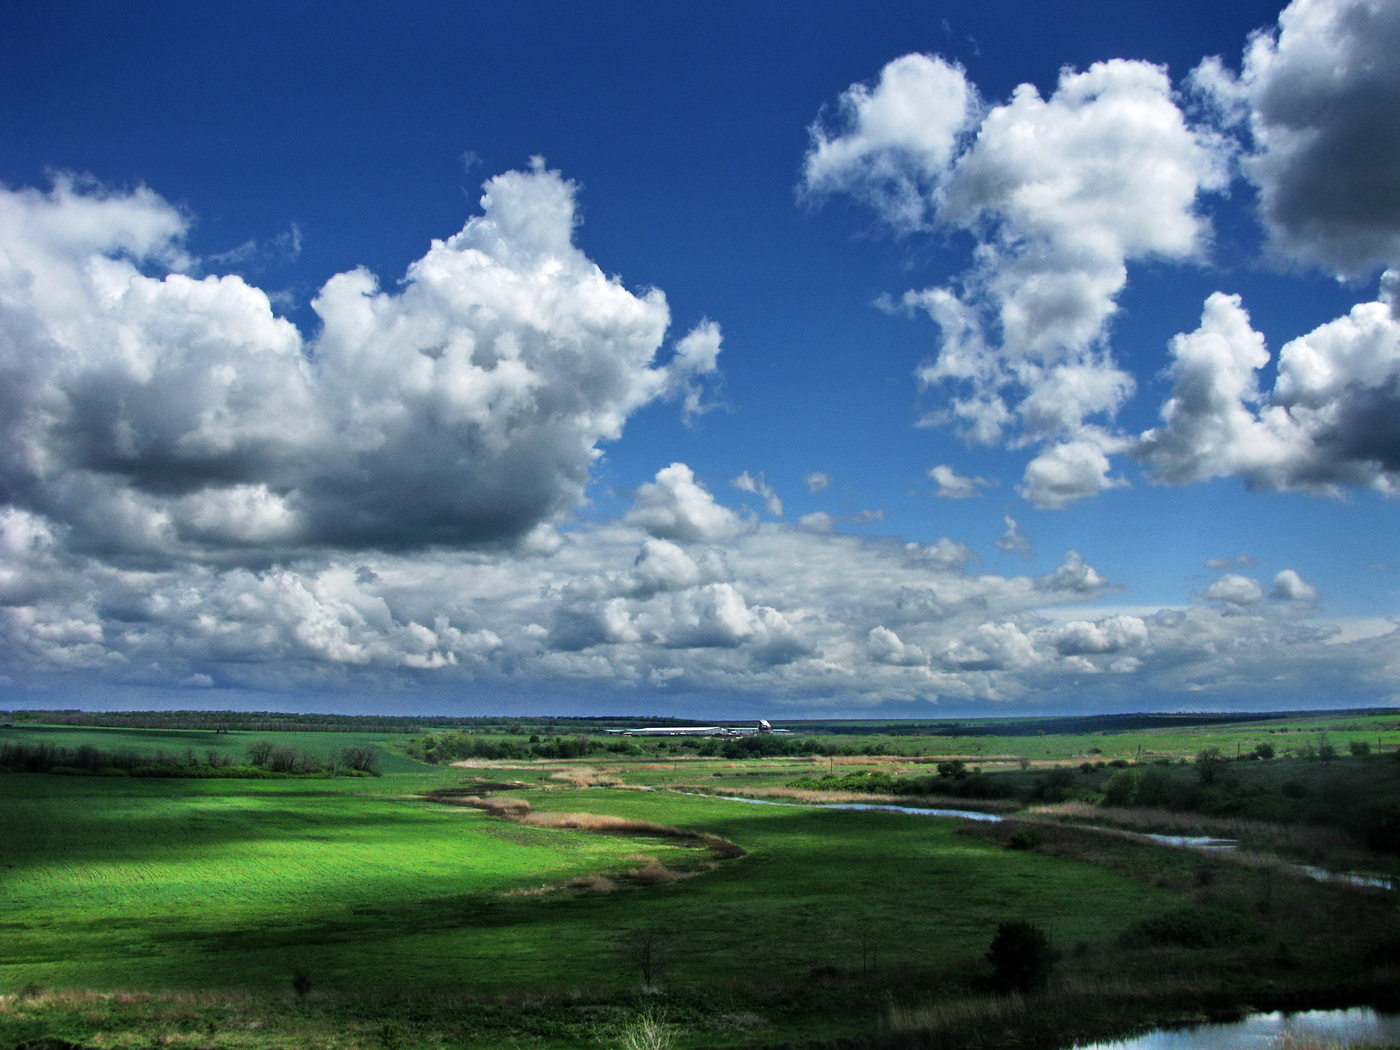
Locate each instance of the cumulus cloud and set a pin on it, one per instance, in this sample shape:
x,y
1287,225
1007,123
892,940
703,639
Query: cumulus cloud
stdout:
x,y
677,507
892,144
816,482
1290,587
758,486
952,485
1061,193
1234,589
1071,470
152,412
1329,423
1321,96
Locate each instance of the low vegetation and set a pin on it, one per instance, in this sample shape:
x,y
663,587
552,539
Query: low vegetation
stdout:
x,y
618,898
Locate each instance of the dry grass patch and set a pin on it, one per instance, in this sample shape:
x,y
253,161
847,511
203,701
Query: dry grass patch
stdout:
x,y
722,849
501,807
584,777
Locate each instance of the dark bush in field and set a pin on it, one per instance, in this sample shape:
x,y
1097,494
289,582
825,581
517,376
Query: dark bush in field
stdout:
x,y
1118,789
1023,839
1195,927
1021,956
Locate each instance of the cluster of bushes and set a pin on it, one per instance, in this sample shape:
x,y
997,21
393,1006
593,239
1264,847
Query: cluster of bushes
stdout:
x,y
1360,797
953,779
264,760
452,747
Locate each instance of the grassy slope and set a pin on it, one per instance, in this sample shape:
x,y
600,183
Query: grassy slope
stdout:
x,y
156,884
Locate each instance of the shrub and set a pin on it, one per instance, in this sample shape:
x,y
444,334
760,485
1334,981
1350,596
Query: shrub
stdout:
x,y
1118,789
1359,747
1023,839
1021,956
1264,750
1210,763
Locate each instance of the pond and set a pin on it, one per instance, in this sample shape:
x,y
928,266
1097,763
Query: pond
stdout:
x,y
1262,1031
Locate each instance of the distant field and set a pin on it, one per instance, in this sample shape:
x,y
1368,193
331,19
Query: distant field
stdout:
x,y
177,741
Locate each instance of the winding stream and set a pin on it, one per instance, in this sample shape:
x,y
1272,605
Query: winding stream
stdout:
x,y
1204,842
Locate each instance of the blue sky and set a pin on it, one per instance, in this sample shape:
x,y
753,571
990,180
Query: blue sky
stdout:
x,y
718,359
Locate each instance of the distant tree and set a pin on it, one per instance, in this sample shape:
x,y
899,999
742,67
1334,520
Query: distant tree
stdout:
x,y
360,757
1326,752
1021,956
1118,789
1210,764
1264,750
646,952
259,751
1359,747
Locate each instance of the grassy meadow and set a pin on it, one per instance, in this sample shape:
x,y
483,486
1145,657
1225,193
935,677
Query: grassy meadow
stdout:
x,y
559,903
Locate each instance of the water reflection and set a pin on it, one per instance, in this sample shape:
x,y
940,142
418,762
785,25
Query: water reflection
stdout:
x,y
1262,1031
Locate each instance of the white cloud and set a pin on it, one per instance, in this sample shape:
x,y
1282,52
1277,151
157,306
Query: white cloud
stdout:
x,y
886,647
153,412
952,485
1322,98
816,482
817,521
1061,194
1329,423
1113,634
1234,589
1069,471
777,613
677,507
1012,541
894,142
1290,587
759,486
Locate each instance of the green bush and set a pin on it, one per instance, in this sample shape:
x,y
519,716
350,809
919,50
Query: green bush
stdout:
x,y
1023,839
1021,956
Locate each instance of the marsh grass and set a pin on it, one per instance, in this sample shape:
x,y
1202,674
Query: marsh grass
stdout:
x,y
1068,1012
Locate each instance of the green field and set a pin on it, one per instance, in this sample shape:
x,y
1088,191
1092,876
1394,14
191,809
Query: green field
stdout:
x,y
389,906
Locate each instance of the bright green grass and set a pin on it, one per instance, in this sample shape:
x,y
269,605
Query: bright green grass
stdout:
x,y
144,884
200,741
112,883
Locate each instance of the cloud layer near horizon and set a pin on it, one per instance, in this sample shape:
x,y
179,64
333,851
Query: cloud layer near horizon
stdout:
x,y
683,597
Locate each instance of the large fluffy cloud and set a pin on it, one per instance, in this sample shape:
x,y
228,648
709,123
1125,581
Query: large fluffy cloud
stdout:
x,y
1330,421
1321,96
146,411
1061,193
